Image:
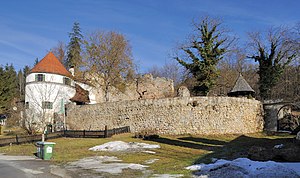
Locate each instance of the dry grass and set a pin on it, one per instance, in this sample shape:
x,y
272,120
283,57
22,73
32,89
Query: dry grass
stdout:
x,y
175,154
7,132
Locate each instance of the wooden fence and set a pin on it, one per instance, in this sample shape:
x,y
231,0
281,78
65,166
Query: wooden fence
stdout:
x,y
66,133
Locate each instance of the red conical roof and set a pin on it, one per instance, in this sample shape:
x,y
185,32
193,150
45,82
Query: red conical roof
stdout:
x,y
50,64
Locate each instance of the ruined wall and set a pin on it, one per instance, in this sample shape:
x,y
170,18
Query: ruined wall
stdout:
x,y
181,115
144,87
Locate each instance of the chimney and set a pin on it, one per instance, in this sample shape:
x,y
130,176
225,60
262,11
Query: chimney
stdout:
x,y
72,70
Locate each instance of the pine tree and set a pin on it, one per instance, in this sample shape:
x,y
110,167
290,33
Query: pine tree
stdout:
x,y
205,50
22,74
36,61
21,85
74,48
8,88
2,91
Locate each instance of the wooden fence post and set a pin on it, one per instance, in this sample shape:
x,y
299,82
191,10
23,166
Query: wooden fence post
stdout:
x,y
105,132
17,139
83,133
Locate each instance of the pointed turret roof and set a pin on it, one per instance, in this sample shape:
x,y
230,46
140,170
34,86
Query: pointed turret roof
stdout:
x,y
241,85
50,64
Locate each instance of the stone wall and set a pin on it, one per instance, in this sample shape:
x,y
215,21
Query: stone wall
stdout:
x,y
143,87
181,115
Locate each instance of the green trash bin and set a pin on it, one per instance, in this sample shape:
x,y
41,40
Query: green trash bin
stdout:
x,y
39,149
45,150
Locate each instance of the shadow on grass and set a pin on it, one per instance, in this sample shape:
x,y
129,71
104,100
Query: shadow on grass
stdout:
x,y
185,144
204,140
240,147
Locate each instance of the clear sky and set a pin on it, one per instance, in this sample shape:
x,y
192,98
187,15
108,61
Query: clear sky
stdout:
x,y
30,28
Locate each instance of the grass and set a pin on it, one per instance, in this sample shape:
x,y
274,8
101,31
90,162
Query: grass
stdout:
x,y
175,154
6,132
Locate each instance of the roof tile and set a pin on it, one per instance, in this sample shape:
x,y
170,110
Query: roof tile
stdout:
x,y
50,64
241,85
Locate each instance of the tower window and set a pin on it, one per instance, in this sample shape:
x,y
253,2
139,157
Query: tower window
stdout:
x,y
47,105
39,77
67,81
26,105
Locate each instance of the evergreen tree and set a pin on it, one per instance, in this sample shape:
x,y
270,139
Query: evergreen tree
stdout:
x,y
2,91
26,71
8,87
36,61
273,54
22,82
74,48
21,85
204,52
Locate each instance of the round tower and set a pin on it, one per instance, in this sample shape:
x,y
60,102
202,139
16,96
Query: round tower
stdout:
x,y
49,86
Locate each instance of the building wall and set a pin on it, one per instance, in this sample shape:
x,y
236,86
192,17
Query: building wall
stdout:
x,y
52,90
54,78
181,115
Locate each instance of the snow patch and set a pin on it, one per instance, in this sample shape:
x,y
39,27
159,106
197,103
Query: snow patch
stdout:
x,y
166,175
243,167
108,164
151,161
278,146
123,146
150,152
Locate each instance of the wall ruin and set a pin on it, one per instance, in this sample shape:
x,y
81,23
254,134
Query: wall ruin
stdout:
x,y
143,87
180,115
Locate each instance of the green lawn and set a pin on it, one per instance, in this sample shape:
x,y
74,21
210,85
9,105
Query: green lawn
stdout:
x,y
175,154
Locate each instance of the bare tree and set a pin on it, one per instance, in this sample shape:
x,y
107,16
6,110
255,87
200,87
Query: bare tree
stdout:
x,y
170,70
60,51
108,60
229,67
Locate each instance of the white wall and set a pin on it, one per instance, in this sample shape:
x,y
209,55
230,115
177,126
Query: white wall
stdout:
x,y
52,90
48,78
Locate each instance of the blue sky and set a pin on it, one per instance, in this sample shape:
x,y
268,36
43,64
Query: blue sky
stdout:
x,y
28,29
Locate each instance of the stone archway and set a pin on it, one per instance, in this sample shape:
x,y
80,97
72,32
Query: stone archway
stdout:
x,y
288,120
274,112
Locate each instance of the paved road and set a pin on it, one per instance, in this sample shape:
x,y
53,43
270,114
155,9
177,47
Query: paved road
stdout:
x,y
7,170
29,167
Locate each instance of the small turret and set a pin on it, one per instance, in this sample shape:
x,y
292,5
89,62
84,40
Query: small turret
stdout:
x,y
72,70
241,88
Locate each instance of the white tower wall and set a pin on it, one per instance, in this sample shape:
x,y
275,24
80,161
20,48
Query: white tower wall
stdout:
x,y
53,90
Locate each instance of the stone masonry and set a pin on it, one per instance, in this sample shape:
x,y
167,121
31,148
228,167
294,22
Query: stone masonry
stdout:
x,y
180,115
143,87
